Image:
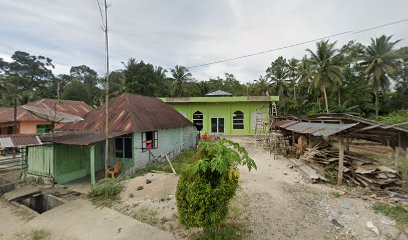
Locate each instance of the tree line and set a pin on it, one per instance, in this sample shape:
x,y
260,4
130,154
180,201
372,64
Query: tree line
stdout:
x,y
355,78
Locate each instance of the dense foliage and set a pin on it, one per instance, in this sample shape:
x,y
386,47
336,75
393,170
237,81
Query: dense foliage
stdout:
x,y
355,78
204,190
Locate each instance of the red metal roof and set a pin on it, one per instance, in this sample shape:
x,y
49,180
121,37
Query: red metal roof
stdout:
x,y
131,113
77,108
77,138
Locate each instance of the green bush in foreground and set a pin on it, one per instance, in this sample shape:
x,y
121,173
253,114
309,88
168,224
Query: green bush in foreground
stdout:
x,y
106,191
205,190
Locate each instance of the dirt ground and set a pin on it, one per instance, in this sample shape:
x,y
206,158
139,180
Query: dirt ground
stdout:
x,y
272,202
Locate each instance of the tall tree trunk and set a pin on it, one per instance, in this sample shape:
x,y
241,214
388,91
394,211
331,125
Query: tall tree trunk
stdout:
x,y
294,92
325,100
377,101
58,89
339,97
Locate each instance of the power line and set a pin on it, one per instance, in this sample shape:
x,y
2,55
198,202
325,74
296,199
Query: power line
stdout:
x,y
297,44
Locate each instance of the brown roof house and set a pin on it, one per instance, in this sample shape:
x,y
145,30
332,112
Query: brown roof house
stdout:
x,y
141,130
28,123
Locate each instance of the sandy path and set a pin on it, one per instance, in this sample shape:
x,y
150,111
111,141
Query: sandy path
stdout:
x,y
282,206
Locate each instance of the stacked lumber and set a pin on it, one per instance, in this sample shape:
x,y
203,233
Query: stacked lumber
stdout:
x,y
358,170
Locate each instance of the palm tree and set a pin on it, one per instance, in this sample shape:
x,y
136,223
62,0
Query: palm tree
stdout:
x,y
278,74
326,69
262,85
293,74
180,77
380,61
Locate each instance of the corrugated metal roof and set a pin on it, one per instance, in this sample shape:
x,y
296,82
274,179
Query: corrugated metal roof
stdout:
x,y
78,138
219,93
77,108
19,140
131,113
6,142
317,129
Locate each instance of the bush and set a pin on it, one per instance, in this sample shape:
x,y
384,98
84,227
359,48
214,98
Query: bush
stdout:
x,y
106,191
205,189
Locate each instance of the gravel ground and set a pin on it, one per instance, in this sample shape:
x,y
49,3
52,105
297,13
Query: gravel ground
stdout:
x,y
282,206
272,203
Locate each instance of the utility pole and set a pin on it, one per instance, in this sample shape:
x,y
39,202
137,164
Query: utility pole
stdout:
x,y
107,90
104,17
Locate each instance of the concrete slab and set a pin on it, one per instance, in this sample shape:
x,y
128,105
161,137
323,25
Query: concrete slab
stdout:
x,y
21,192
79,219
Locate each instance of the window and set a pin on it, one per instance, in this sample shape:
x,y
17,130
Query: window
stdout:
x,y
150,140
238,120
123,146
44,128
217,125
198,120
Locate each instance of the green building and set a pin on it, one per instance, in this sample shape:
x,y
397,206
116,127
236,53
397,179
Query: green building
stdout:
x,y
222,113
141,129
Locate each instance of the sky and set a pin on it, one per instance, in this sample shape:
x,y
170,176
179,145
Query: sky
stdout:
x,y
189,32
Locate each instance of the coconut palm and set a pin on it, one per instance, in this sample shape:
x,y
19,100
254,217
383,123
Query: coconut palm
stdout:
x,y
262,85
278,76
180,76
293,74
326,69
380,63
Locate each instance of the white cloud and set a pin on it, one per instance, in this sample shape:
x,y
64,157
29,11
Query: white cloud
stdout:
x,y
185,32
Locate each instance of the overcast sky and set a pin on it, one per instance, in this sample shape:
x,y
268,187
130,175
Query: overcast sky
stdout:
x,y
189,32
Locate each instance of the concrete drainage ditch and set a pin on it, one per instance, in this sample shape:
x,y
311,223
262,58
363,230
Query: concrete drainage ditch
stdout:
x,y
39,202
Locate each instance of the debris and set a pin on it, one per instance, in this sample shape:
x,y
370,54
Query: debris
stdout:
x,y
345,206
285,173
336,223
358,170
387,222
139,188
119,230
148,181
372,227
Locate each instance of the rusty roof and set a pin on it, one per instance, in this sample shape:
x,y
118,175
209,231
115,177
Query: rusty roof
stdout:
x,y
316,129
77,138
131,113
19,140
77,108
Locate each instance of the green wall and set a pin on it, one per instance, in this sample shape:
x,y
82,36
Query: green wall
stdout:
x,y
64,163
224,110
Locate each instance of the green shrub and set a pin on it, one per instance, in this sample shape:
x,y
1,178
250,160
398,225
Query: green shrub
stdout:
x,y
205,189
106,191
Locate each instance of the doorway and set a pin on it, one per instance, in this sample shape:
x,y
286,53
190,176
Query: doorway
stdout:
x,y
217,125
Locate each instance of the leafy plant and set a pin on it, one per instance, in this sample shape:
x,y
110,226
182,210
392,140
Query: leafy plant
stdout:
x,y
106,191
205,189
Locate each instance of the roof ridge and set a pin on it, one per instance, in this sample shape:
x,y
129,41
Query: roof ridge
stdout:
x,y
132,117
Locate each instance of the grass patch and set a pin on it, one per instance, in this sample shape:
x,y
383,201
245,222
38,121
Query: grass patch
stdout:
x,y
40,235
225,232
105,192
180,163
147,215
398,212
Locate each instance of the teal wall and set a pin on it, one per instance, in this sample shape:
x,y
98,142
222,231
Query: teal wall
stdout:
x,y
224,110
168,140
66,163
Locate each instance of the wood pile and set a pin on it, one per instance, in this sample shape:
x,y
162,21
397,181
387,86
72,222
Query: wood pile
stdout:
x,y
359,170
